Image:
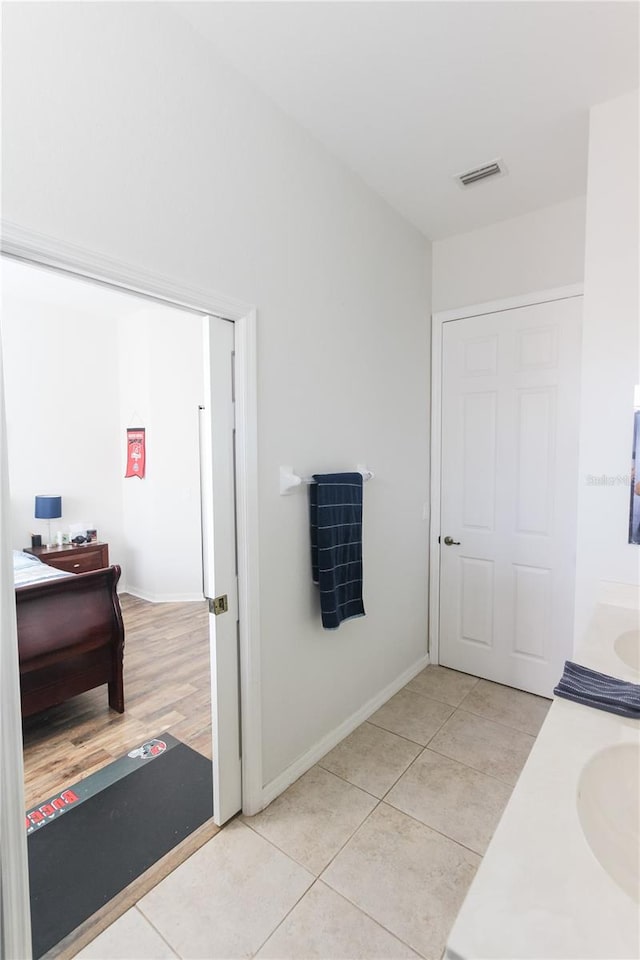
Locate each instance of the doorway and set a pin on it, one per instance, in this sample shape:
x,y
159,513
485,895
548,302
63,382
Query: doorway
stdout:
x,y
243,321
505,433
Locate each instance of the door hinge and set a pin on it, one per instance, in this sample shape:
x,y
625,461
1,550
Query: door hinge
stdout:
x,y
219,605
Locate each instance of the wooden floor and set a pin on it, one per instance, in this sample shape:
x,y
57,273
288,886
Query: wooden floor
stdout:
x,y
166,688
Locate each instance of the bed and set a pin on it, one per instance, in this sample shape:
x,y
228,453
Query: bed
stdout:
x,y
70,633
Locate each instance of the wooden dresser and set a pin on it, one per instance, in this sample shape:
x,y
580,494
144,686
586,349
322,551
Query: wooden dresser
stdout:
x,y
73,558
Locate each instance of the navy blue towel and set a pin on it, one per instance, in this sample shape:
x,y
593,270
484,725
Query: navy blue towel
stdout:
x,y
335,513
599,690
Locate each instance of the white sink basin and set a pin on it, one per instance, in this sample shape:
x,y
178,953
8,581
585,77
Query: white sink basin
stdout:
x,y
627,647
609,811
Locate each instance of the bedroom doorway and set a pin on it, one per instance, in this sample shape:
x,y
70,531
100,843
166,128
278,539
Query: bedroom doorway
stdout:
x,y
171,529
230,655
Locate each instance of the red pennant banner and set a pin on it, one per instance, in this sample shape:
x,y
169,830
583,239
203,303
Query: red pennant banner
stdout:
x,y
136,454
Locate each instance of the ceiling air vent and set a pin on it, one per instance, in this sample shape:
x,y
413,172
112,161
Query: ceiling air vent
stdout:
x,y
494,169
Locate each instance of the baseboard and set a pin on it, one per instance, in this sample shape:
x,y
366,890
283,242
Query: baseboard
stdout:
x,y
332,739
162,597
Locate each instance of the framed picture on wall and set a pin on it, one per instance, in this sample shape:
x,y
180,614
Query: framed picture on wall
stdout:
x,y
634,505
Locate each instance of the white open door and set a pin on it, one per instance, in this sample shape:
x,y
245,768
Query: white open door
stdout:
x,y
220,580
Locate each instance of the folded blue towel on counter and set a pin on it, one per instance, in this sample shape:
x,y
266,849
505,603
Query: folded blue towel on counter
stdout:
x,y
335,515
599,690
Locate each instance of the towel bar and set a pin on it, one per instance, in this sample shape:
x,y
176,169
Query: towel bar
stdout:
x,y
290,480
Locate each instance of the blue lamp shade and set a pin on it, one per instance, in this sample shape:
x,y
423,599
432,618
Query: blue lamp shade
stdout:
x,y
48,508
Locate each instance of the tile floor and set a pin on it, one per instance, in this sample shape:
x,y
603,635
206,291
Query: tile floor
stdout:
x,y
368,855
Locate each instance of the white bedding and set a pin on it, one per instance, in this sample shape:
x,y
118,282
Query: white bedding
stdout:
x,y
28,569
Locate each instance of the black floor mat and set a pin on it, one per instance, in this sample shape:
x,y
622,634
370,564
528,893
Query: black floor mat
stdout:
x,y
80,860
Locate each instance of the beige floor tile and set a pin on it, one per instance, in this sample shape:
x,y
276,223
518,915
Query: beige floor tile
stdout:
x,y
228,898
462,803
371,758
131,937
313,818
324,925
412,716
406,876
443,684
484,745
522,711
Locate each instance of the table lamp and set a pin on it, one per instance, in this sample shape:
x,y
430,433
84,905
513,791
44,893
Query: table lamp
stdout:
x,y
48,508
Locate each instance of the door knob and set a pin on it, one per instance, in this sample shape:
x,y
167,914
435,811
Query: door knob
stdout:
x,y
450,542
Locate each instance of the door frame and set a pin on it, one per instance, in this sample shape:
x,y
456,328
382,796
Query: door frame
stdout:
x,y
437,322
41,250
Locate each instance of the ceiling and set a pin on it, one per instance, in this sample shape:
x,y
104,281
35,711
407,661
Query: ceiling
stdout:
x,y
408,94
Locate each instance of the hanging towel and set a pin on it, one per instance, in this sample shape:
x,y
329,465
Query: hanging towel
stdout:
x,y
599,690
335,513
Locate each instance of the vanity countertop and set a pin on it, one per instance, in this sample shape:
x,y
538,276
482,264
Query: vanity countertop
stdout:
x,y
540,892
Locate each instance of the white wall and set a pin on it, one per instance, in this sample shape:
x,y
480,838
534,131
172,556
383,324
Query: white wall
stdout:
x,y
160,388
61,392
124,134
82,363
610,361
526,254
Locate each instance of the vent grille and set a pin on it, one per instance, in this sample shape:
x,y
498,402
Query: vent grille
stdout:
x,y
494,169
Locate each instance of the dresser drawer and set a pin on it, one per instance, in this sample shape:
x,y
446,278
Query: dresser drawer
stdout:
x,y
80,561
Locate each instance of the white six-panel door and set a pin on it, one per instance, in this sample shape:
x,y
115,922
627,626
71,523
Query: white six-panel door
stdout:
x,y
510,399
220,579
